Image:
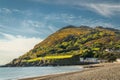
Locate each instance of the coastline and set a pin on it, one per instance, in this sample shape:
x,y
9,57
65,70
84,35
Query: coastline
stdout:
x,y
106,71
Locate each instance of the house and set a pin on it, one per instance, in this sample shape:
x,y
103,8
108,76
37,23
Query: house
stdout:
x,y
108,50
89,60
112,50
118,60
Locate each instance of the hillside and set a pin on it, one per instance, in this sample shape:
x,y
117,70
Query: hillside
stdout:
x,y
66,45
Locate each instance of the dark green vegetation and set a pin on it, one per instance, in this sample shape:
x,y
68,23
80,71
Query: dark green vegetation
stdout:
x,y
69,43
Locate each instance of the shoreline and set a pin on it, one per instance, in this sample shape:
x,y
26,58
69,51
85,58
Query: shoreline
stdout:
x,y
86,68
53,75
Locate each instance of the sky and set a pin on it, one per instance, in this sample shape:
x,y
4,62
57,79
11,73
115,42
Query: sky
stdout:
x,y
24,23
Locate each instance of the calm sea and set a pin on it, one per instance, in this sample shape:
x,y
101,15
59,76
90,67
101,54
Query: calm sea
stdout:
x,y
14,73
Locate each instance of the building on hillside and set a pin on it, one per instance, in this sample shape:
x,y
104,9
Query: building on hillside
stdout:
x,y
118,60
112,50
89,60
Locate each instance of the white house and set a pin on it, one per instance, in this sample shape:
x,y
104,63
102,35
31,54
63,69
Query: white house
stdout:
x,y
91,60
118,60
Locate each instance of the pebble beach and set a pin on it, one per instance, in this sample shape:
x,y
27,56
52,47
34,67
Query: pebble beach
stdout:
x,y
103,71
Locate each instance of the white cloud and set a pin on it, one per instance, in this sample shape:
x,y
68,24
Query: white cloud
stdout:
x,y
68,2
13,46
105,9
5,10
70,19
76,20
10,11
30,26
32,23
60,17
40,27
52,28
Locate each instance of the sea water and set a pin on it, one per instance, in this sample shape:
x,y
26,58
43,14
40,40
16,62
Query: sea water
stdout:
x,y
14,73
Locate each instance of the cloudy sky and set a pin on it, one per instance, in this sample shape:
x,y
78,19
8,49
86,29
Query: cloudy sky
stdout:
x,y
23,23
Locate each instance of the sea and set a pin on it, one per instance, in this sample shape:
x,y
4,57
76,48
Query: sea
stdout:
x,y
15,73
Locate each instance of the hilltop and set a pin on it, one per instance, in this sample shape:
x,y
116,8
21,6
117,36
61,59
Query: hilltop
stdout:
x,y
65,46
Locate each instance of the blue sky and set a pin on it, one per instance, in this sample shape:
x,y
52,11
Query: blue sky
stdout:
x,y
23,23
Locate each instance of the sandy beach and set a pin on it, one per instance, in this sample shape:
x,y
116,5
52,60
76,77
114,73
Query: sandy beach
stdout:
x,y
103,71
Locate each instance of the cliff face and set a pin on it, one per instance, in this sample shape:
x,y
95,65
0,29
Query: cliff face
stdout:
x,y
66,45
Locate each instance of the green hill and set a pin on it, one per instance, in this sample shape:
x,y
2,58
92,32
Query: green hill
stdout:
x,y
66,45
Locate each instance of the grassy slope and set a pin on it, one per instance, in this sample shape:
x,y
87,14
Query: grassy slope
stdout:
x,y
48,58
72,41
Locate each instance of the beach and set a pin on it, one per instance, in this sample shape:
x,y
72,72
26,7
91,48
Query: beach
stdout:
x,y
103,71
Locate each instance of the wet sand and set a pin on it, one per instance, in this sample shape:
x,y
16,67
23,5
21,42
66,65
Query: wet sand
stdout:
x,y
104,71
